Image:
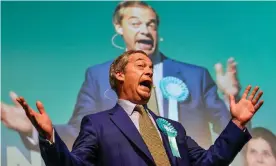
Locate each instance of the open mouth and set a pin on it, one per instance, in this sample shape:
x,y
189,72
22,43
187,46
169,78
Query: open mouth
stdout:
x,y
145,44
146,84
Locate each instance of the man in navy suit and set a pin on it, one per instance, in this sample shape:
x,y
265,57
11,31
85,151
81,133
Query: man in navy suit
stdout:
x,y
131,134
138,24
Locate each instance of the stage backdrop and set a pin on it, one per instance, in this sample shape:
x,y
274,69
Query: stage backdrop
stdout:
x,y
47,46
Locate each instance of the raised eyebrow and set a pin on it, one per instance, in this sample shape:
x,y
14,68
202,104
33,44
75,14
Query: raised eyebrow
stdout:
x,y
252,149
152,21
133,17
140,59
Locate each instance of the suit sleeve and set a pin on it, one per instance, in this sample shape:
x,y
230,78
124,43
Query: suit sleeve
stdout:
x,y
84,151
218,113
222,152
86,104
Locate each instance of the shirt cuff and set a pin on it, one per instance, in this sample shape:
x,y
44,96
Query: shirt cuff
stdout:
x,y
53,138
46,140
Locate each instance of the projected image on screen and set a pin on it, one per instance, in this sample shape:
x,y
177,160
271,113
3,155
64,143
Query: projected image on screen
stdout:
x,y
202,52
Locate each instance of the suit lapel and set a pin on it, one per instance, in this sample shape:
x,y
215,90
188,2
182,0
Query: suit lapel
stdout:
x,y
165,141
126,126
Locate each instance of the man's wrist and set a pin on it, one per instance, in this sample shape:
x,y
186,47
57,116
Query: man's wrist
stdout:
x,y
49,139
47,135
239,124
52,137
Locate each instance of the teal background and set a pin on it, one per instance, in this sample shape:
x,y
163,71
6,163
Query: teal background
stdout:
x,y
47,46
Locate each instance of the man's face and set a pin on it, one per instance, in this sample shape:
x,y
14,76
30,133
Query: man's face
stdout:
x,y
137,79
259,153
139,29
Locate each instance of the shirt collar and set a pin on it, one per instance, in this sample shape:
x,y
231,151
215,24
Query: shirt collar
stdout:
x,y
127,106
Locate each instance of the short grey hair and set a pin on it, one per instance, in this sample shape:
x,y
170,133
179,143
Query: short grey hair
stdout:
x,y
119,10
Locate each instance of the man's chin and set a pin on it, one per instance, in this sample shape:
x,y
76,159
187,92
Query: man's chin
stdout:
x,y
149,52
145,99
143,94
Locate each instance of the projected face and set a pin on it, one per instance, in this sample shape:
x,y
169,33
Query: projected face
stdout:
x,y
139,29
259,153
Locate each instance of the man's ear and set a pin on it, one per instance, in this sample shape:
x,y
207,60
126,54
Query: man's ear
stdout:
x,y
120,76
118,29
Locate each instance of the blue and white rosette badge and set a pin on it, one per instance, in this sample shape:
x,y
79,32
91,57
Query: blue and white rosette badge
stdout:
x,y
170,131
174,90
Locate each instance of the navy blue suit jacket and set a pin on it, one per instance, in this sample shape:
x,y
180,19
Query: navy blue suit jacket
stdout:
x,y
110,138
203,106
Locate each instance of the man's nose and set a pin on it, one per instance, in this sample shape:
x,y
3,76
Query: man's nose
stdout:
x,y
260,158
144,29
149,72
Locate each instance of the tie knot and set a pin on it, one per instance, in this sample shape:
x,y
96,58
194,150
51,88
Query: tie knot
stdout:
x,y
140,109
